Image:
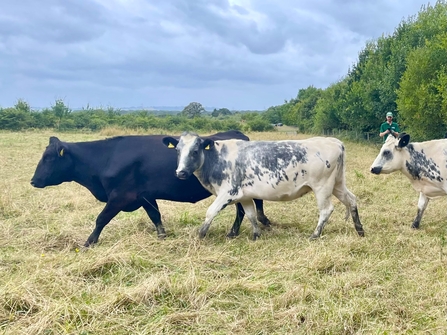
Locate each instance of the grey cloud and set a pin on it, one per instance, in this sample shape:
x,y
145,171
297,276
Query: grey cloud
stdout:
x,y
185,49
47,21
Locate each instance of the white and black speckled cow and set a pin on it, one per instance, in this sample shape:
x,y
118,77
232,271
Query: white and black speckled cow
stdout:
x,y
238,171
424,163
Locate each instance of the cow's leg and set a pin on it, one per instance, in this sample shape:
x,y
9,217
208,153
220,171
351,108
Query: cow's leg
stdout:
x,y
250,211
111,209
326,207
237,221
151,208
422,205
347,198
240,216
218,204
260,213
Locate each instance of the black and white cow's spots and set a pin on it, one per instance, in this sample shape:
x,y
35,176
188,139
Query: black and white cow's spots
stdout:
x,y
420,166
267,161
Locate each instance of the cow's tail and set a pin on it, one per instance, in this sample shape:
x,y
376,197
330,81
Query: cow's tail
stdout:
x,y
342,178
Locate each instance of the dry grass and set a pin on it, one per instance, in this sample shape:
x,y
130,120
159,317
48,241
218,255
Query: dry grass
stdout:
x,y
393,281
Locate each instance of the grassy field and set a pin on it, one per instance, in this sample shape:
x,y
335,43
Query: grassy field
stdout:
x,y
393,281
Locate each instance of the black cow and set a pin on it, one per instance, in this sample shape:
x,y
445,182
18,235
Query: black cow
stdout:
x,y
127,172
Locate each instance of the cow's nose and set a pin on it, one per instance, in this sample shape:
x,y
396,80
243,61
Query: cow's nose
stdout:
x,y
376,169
182,175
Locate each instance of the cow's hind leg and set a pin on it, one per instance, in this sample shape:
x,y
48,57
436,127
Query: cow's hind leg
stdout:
x,y
237,221
347,198
218,204
251,215
422,205
151,208
326,208
240,216
260,213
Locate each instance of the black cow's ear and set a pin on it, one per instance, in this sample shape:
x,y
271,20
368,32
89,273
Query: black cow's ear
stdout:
x,y
54,140
60,146
404,139
170,142
207,144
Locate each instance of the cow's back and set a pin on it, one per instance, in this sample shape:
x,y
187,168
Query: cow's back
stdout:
x,y
144,165
281,170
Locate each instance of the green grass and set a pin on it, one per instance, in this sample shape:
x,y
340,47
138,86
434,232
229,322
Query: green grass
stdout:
x,y
393,281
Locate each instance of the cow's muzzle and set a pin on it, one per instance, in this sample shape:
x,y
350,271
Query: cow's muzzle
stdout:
x,y
182,175
376,169
33,183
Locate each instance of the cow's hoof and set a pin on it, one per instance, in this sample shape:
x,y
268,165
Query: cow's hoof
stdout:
x,y
231,235
256,236
161,236
88,244
361,233
202,233
414,226
314,237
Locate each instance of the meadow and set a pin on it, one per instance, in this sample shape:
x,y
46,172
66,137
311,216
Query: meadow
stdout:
x,y
392,281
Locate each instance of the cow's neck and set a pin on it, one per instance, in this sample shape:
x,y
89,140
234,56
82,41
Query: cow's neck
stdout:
x,y
419,166
210,174
89,161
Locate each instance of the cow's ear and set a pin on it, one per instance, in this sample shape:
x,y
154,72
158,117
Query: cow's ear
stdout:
x,y
170,142
207,144
60,146
404,139
54,140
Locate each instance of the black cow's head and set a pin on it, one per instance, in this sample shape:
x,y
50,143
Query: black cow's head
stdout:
x,y
54,167
190,152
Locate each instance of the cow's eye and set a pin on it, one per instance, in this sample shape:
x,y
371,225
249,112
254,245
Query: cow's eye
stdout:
x,y
387,154
195,153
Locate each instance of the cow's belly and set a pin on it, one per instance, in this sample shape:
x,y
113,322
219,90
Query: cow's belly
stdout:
x,y
430,190
272,192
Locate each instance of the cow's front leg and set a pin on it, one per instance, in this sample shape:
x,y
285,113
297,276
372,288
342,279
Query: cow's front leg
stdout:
x,y
108,213
422,205
220,203
250,211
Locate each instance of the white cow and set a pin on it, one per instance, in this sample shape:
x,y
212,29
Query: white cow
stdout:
x,y
424,163
240,171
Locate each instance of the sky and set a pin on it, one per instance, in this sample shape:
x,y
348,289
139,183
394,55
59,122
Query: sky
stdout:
x,y
235,54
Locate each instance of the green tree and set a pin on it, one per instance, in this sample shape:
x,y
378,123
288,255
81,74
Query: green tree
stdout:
x,y
60,111
302,113
194,109
221,112
422,96
15,119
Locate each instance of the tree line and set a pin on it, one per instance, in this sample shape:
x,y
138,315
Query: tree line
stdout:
x,y
193,117
404,73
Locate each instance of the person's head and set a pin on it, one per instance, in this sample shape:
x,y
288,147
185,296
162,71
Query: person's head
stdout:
x,y
389,116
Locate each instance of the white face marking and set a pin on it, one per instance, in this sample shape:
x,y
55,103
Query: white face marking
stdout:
x,y
184,150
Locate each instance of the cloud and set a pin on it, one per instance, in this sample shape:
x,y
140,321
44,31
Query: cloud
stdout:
x,y
244,54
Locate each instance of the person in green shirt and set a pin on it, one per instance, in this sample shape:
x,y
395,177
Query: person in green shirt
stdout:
x,y
389,127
